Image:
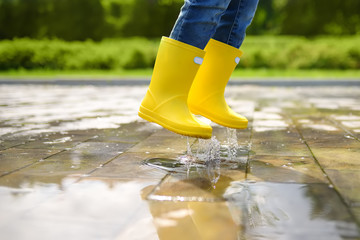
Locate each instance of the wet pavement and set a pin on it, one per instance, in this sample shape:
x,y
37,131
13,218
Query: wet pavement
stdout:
x,y
76,162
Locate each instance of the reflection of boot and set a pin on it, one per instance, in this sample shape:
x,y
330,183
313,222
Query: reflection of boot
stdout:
x,y
165,102
206,96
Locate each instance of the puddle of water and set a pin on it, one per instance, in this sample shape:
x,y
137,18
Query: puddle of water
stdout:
x,y
267,116
37,108
270,123
204,155
321,127
351,124
289,211
59,140
260,210
348,136
90,209
349,117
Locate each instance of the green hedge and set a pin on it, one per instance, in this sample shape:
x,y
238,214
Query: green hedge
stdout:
x,y
301,53
133,53
60,55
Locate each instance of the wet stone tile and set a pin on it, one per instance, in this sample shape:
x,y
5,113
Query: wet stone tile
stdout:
x,y
130,165
85,134
13,159
28,180
322,135
345,141
320,131
83,159
271,123
351,124
264,115
346,181
102,148
356,212
290,211
162,144
346,117
53,142
162,132
337,158
131,133
285,169
276,135
280,148
193,220
5,144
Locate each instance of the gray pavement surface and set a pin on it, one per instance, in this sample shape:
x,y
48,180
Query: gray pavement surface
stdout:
x,y
77,162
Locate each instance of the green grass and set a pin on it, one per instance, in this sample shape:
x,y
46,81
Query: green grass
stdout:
x,y
146,74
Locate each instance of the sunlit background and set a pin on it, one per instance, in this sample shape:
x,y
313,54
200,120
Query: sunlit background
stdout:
x,y
287,37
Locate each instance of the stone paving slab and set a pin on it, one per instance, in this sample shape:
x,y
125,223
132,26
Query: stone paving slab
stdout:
x,y
129,165
13,159
347,183
90,165
289,169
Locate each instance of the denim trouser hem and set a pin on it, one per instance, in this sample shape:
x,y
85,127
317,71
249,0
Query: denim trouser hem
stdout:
x,y
223,20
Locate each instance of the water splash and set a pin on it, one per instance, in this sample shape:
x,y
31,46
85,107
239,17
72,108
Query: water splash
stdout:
x,y
213,171
348,136
188,147
208,150
232,143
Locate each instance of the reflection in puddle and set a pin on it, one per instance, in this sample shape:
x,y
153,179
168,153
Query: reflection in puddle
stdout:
x,y
289,211
351,124
252,210
59,140
89,209
271,123
321,127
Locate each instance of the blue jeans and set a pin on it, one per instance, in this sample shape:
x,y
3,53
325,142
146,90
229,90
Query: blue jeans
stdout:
x,y
222,20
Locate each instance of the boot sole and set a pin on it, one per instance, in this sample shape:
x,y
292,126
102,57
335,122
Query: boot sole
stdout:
x,y
241,125
150,116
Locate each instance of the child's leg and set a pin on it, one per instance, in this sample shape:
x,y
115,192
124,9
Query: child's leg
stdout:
x,y
206,95
237,17
198,21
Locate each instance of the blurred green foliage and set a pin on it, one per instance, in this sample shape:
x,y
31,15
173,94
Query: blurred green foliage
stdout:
x,y
273,52
99,19
25,53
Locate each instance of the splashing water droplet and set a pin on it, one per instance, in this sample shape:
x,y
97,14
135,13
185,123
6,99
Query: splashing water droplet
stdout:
x,y
232,143
188,147
348,136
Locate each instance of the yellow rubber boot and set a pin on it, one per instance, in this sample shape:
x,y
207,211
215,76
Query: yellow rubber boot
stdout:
x,y
165,102
206,95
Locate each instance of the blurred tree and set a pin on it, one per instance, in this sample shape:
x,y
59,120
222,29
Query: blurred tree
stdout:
x,y
314,17
66,19
20,18
117,14
98,19
265,19
77,19
151,18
